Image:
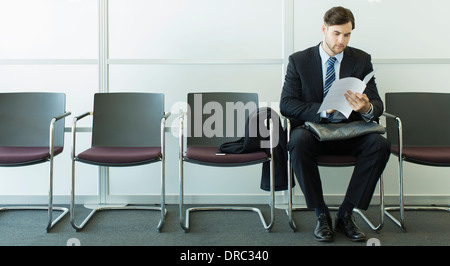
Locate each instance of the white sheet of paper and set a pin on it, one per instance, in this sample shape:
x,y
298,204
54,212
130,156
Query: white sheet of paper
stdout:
x,y
335,98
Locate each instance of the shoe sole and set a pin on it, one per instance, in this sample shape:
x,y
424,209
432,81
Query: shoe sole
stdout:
x,y
324,239
338,230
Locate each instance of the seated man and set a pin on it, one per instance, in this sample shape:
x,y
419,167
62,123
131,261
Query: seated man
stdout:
x,y
309,76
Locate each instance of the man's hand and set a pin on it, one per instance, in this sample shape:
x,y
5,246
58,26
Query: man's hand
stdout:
x,y
358,102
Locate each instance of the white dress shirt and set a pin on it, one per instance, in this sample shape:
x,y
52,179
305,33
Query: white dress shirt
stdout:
x,y
338,116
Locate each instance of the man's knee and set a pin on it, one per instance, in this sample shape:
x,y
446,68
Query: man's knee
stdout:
x,y
301,139
380,143
385,144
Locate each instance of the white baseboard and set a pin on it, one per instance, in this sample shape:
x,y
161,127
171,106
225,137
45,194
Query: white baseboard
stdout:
x,y
280,199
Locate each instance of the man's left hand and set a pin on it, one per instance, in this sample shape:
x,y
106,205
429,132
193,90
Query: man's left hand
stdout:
x,y
359,102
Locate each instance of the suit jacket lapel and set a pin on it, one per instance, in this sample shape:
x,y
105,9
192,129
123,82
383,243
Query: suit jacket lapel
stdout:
x,y
347,64
316,69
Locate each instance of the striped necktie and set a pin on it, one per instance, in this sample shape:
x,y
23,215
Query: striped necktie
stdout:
x,y
330,77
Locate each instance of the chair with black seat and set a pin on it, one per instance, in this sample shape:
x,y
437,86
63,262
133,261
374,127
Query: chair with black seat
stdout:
x,y
231,110
418,126
127,130
330,160
32,132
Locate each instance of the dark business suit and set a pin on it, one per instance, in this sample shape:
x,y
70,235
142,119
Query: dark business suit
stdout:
x,y
301,98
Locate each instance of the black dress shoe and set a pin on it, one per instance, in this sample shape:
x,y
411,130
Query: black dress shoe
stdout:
x,y
324,229
347,225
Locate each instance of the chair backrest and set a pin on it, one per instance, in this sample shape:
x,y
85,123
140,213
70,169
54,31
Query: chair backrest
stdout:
x,y
127,119
218,117
425,118
25,118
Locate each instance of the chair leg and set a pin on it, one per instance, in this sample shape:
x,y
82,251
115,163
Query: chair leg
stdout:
x,y
382,208
163,193
400,223
184,220
50,208
72,204
290,207
50,222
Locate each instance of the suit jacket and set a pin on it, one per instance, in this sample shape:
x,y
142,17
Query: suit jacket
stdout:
x,y
302,92
253,143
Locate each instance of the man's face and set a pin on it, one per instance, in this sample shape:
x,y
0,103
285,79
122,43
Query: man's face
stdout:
x,y
336,38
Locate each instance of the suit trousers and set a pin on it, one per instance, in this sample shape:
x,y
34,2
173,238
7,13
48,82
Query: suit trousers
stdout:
x,y
372,152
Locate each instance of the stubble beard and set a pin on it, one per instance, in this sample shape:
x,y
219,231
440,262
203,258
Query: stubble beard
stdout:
x,y
332,49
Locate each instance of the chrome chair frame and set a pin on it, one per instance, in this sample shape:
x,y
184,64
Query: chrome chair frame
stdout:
x,y
162,209
290,208
50,207
184,219
402,208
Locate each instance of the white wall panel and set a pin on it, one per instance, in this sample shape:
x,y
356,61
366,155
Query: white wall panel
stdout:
x,y
37,29
175,81
412,77
78,82
385,29
196,29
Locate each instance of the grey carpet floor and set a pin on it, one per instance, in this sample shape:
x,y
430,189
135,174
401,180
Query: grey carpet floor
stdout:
x,y
138,228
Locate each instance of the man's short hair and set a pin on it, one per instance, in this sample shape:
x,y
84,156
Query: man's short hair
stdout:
x,y
339,16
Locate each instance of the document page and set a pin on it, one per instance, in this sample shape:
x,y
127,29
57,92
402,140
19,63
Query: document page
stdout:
x,y
335,98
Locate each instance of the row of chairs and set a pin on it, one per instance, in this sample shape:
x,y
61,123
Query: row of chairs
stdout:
x,y
128,130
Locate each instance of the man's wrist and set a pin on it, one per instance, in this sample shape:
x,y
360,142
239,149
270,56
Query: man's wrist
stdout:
x,y
369,110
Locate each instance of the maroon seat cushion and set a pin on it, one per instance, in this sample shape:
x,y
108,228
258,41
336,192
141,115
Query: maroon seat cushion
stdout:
x,y
24,155
432,155
208,155
120,155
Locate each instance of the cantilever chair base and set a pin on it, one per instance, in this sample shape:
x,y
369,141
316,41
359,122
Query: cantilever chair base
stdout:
x,y
185,224
186,227
51,222
184,221
101,207
400,223
358,211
